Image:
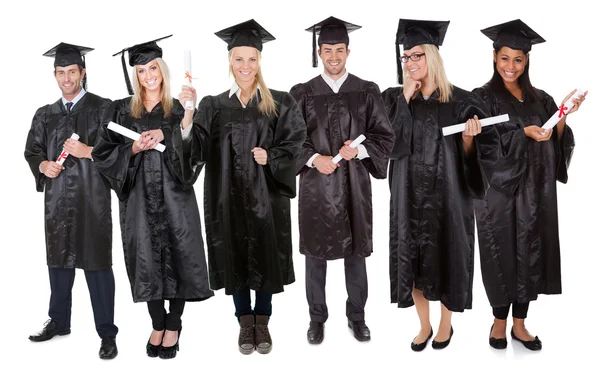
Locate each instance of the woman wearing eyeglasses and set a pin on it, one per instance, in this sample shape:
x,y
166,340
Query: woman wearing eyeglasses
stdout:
x,y
517,222
433,179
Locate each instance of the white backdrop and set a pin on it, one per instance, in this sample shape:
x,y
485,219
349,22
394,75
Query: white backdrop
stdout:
x,y
564,323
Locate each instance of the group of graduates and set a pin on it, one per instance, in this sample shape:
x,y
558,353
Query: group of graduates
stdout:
x,y
253,142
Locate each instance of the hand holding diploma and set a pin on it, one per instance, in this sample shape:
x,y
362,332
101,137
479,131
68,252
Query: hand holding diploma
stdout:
x,y
570,104
457,128
349,150
65,153
134,135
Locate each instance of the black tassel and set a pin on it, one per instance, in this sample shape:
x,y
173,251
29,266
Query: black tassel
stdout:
x,y
127,81
315,61
400,74
84,80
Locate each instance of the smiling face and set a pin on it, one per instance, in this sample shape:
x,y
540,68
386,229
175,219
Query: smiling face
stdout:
x,y
416,69
510,63
69,80
334,59
244,64
149,76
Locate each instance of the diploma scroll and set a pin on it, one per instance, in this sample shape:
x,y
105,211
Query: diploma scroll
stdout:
x,y
187,66
354,144
457,128
131,134
562,111
63,155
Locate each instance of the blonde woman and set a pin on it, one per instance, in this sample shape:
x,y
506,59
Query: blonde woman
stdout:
x,y
249,137
433,179
160,222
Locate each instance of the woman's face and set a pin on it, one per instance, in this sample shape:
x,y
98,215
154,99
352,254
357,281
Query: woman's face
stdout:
x,y
417,68
510,63
244,64
149,76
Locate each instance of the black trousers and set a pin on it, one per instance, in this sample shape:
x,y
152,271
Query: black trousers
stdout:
x,y
243,303
101,285
356,285
161,320
519,310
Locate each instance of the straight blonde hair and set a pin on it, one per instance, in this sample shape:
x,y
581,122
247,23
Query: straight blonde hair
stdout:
x,y
435,72
267,104
139,92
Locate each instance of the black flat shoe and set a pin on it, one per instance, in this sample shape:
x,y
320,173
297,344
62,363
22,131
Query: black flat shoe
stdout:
x,y
48,332
360,330
497,343
533,345
108,348
439,345
169,352
421,346
316,332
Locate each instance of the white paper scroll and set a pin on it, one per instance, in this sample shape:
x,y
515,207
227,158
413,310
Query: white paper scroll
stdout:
x,y
131,134
563,110
63,156
353,144
187,66
458,128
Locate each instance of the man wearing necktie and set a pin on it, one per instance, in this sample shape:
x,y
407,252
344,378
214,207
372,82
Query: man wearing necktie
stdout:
x,y
78,219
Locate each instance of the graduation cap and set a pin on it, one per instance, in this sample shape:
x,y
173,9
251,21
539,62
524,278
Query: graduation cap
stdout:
x,y
514,34
66,55
140,54
248,33
331,31
418,32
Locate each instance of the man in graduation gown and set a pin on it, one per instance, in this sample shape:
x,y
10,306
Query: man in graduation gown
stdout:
x,y
78,220
335,211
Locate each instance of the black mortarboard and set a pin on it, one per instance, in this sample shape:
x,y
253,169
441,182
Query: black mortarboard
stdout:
x,y
247,33
140,54
331,31
418,32
515,34
67,55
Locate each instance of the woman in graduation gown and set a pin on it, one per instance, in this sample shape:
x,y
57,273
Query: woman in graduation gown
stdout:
x,y
160,221
433,179
249,137
517,222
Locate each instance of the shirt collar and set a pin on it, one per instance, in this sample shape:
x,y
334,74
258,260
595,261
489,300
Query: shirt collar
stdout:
x,y
335,84
75,100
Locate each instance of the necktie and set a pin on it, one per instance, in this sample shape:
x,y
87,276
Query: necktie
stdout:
x,y
69,105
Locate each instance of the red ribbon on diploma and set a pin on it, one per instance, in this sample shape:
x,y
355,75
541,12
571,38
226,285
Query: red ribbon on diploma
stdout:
x,y
562,110
62,156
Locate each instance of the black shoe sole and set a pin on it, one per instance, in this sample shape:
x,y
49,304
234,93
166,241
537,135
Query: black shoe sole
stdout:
x,y
264,350
59,333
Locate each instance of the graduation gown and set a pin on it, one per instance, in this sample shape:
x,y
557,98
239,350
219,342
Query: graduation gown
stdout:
x,y
335,211
159,217
432,184
78,220
517,222
247,205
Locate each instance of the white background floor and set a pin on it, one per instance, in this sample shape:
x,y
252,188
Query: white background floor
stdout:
x,y
565,324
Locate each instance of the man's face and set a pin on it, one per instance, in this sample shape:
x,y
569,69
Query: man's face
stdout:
x,y
69,79
334,58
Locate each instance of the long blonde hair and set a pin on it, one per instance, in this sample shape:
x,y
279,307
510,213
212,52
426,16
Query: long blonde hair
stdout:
x,y
267,104
435,72
137,101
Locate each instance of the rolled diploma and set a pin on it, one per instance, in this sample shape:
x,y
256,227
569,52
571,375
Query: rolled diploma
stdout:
x,y
353,144
187,66
63,155
562,111
452,129
131,134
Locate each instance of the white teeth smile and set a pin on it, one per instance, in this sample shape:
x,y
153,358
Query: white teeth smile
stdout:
x,y
509,74
334,63
245,72
151,82
413,70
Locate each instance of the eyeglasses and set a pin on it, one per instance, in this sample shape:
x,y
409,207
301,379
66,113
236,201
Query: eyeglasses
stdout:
x,y
414,57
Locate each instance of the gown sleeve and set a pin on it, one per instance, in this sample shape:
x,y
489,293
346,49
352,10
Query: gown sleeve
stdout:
x,y
35,148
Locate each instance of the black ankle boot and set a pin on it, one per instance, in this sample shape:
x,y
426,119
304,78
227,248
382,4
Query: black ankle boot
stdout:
x,y
246,343
262,336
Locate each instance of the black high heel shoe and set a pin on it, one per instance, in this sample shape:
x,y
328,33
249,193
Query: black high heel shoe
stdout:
x,y
421,346
152,350
533,345
439,345
170,352
497,343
